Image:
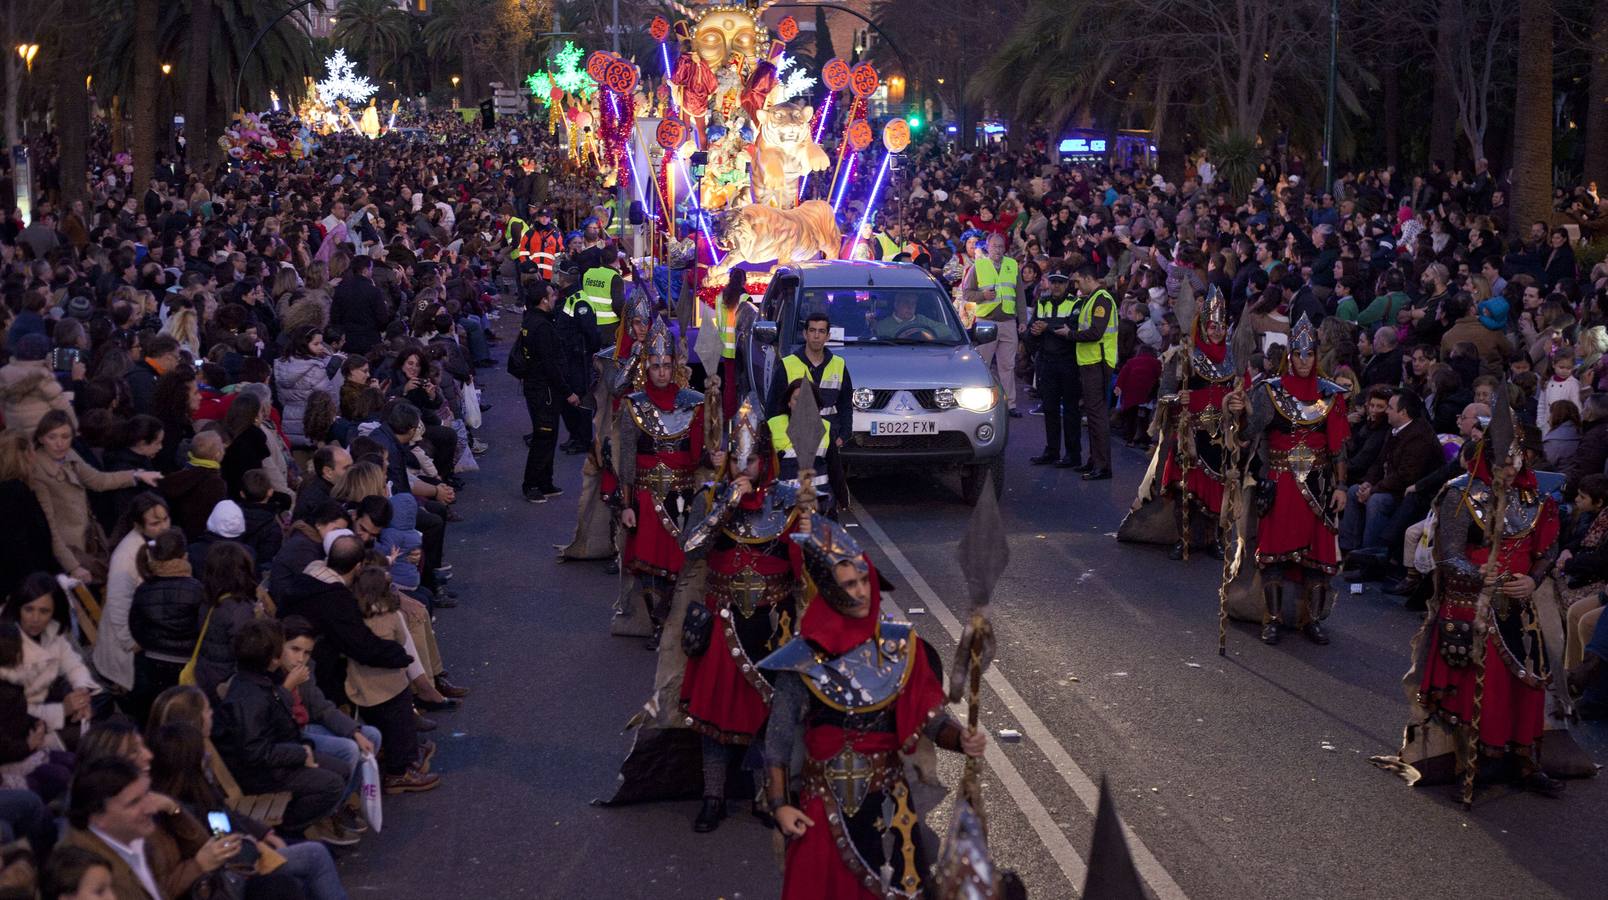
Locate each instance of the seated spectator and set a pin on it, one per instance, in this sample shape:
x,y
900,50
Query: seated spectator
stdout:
x,y
261,507
332,732
28,386
304,545
248,442
227,522
382,693
261,743
28,543
1369,428
1561,386
1446,399
193,491
39,608
1384,366
1563,434
304,370
1584,563
1136,386
329,464
174,404
231,599
61,481
73,873
1409,453
164,619
1592,453
31,758
179,771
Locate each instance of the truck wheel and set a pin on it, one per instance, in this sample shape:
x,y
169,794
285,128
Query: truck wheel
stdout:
x,y
974,476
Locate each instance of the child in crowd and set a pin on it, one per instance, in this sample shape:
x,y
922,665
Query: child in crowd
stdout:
x,y
1137,381
265,532
1561,386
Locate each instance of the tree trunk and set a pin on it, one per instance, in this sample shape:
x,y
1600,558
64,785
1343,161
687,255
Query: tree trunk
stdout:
x,y
1596,161
72,111
1392,115
143,107
197,138
14,70
1532,120
1443,111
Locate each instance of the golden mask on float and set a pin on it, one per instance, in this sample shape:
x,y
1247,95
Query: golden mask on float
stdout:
x,y
724,31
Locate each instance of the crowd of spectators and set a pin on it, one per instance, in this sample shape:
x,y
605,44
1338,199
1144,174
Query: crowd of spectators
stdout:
x,y
236,427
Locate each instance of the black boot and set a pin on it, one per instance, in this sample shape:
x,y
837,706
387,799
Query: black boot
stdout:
x,y
1273,596
709,816
1177,551
1317,595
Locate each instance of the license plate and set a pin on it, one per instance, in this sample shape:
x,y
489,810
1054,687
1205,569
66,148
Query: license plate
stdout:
x,y
904,426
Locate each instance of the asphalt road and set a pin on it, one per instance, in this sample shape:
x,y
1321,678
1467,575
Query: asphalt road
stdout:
x,y
1242,776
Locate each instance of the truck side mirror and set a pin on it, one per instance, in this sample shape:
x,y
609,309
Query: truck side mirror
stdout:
x,y
985,332
765,332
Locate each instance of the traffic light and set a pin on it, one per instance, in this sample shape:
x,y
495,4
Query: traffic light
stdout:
x,y
914,120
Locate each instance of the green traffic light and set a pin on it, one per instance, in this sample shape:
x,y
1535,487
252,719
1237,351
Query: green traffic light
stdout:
x,y
915,122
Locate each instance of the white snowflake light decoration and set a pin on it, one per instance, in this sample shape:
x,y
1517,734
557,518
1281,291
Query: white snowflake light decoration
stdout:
x,y
791,80
343,82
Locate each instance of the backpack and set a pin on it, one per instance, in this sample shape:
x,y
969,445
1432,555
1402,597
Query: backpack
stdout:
x,y
519,357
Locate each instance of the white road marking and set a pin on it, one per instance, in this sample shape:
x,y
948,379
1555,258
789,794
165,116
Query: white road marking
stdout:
x,y
1087,791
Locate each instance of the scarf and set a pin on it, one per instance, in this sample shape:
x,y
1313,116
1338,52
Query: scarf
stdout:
x,y
663,397
197,462
836,633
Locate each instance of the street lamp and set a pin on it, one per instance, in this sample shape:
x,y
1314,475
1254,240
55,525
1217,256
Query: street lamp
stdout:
x,y
27,52
167,68
455,82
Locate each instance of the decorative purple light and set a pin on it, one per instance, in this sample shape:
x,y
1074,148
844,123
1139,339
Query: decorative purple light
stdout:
x,y
842,190
826,112
870,204
664,54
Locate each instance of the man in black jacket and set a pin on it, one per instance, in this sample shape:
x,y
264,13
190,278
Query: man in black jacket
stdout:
x,y
329,464
304,545
358,307
323,596
538,361
161,354
1410,452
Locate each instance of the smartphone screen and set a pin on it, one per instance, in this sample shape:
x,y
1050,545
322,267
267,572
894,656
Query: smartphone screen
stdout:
x,y
218,822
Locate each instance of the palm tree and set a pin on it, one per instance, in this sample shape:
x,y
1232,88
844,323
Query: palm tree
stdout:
x,y
1532,118
454,36
377,31
146,74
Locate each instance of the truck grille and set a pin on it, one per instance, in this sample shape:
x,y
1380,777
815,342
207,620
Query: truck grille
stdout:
x,y
881,397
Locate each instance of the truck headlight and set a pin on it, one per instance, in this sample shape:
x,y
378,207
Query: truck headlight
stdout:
x,y
976,399
862,398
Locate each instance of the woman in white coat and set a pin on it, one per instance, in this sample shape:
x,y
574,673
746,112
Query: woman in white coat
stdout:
x,y
39,609
114,651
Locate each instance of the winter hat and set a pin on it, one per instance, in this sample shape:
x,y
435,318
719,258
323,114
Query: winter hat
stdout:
x,y
80,308
227,519
32,347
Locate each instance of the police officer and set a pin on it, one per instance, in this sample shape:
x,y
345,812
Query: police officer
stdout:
x,y
578,339
1095,335
538,362
1054,320
603,288
827,371
541,243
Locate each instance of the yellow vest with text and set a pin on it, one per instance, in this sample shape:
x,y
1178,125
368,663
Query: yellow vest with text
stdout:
x,y
1002,280
785,452
1092,352
598,284
831,379
890,248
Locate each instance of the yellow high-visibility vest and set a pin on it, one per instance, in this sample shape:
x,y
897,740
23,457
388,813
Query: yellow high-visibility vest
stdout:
x,y
1002,280
1092,352
598,286
831,378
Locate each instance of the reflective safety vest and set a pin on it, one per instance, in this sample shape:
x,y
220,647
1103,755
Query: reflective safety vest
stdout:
x,y
513,240
787,457
890,248
541,248
1049,309
831,378
1092,352
1002,280
726,323
598,286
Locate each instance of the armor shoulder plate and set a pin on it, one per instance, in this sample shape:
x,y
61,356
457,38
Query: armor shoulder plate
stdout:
x,y
662,424
1331,389
869,677
688,397
1202,367
797,655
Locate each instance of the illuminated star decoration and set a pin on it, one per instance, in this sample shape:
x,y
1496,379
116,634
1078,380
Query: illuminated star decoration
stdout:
x,y
791,80
568,75
343,83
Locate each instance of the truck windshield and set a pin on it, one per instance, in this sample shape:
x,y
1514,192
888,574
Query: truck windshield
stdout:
x,y
882,315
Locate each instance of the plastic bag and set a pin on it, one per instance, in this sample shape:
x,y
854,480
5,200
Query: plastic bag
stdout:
x,y
371,792
471,405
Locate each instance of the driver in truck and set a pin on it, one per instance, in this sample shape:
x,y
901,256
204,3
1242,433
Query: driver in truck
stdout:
x,y
904,323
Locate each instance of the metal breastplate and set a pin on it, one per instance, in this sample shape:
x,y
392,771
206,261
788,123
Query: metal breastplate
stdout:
x,y
1299,414
1523,506
864,680
1202,368
769,522
665,425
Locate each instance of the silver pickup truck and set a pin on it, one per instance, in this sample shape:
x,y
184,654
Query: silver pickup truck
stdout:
x,y
922,394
